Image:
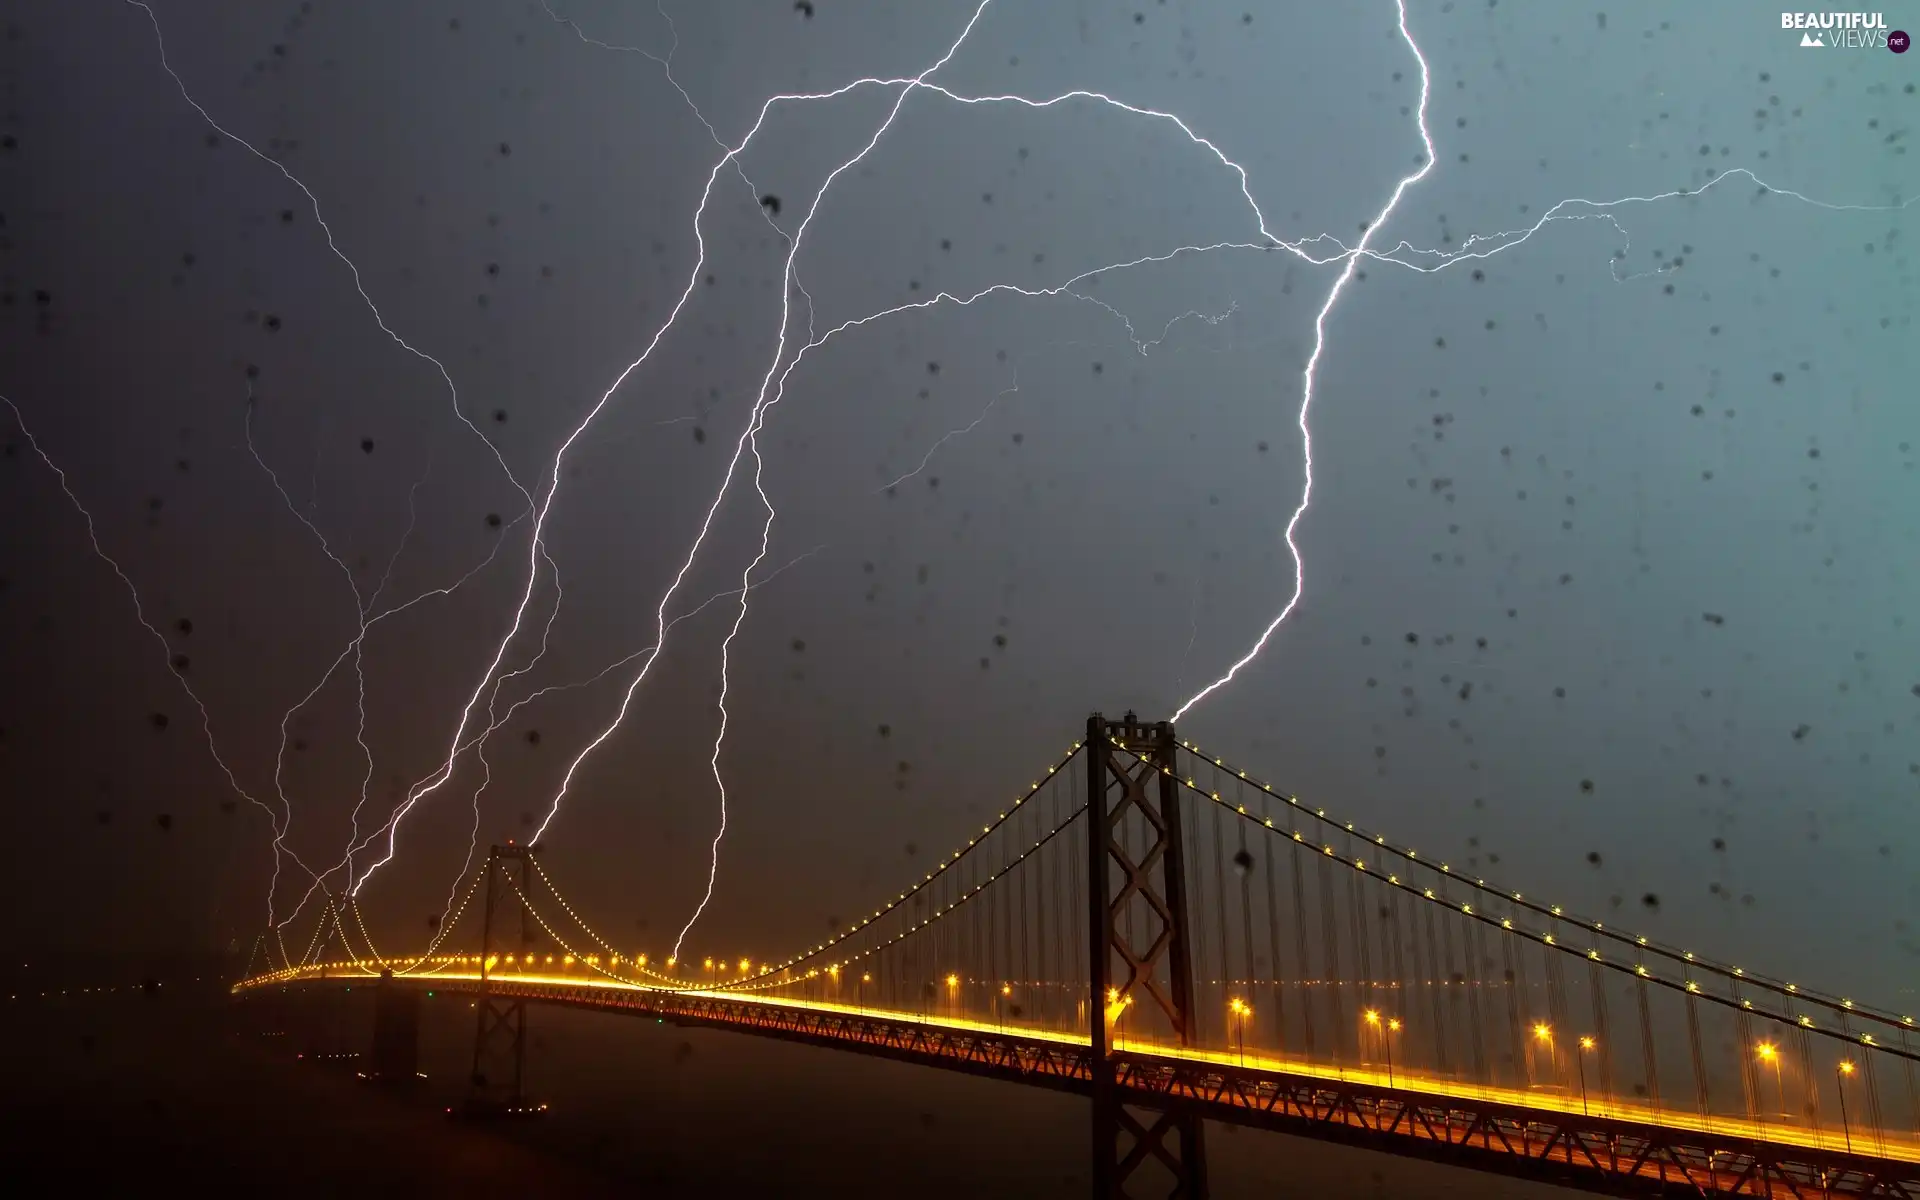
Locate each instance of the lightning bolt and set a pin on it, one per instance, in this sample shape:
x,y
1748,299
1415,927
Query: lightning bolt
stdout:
x,y
314,201
1403,255
761,404
360,610
473,840
730,157
477,742
949,435
140,615
536,552
764,401
366,618
1313,362
1352,257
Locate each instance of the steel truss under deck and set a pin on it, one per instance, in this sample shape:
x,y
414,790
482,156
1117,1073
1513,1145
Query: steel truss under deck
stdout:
x,y
1592,1153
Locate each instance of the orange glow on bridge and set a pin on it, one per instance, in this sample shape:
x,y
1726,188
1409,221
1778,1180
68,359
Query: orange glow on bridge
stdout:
x,y
459,969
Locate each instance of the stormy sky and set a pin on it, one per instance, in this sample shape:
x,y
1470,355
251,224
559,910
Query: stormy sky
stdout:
x,y
1609,565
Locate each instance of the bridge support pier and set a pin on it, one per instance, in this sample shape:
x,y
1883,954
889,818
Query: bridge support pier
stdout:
x,y
500,1036
396,1032
1128,772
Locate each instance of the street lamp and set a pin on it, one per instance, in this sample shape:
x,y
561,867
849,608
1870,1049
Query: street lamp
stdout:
x,y
1239,1010
1393,1027
1586,1044
1543,1033
1840,1078
1771,1055
1116,1008
1372,1017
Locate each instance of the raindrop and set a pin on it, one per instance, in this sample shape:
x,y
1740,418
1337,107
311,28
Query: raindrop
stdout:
x,y
159,720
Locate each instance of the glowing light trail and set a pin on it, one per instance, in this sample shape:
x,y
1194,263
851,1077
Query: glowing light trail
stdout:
x,y
1895,1147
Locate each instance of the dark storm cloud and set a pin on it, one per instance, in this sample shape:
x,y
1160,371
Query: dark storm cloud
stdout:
x,y
1607,572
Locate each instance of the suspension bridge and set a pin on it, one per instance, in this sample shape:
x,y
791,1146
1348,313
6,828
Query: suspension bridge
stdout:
x,y
1180,942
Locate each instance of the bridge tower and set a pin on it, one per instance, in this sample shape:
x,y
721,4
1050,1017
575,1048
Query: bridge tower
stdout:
x,y
500,1036
1156,966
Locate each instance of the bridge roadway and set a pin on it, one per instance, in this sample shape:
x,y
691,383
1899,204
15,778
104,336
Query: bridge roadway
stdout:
x,y
1597,1143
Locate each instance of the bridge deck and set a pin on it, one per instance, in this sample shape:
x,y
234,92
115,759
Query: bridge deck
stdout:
x,y
1607,1143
